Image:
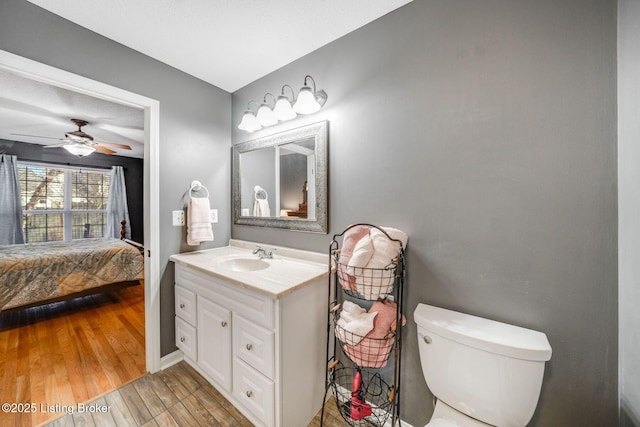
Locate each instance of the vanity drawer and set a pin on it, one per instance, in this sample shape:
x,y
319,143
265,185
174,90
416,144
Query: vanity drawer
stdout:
x,y
254,391
252,305
254,345
185,304
186,339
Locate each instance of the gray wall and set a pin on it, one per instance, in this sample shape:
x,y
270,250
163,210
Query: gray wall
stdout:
x,y
133,169
486,131
194,120
629,209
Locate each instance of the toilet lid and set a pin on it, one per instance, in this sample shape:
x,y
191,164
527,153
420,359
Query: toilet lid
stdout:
x,y
441,422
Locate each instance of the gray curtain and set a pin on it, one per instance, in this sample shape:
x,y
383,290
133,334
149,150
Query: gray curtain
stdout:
x,y
117,208
10,205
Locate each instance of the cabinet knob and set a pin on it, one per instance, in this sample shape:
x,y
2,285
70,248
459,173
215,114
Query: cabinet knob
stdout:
x,y
223,323
427,339
249,393
249,346
182,339
182,305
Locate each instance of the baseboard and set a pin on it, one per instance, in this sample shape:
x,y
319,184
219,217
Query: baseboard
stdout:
x,y
171,359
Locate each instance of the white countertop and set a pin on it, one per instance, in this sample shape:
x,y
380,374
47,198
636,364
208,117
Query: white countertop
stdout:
x,y
289,270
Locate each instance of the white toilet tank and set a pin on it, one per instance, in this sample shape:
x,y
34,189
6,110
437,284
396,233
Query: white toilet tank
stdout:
x,y
488,370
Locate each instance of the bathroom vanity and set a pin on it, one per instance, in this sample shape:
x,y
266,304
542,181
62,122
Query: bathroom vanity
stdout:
x,y
256,327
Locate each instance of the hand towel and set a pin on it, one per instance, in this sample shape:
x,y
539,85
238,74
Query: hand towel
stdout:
x,y
199,221
261,208
349,242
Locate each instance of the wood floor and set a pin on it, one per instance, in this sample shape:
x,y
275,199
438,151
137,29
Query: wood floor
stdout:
x,y
69,352
177,396
90,351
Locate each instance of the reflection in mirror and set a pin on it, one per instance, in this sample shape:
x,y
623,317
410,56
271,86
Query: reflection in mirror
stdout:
x,y
281,180
297,168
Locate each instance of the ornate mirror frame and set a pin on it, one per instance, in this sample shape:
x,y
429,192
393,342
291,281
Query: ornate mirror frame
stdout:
x,y
317,131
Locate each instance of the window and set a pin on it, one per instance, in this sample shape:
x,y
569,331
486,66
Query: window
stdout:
x,y
61,204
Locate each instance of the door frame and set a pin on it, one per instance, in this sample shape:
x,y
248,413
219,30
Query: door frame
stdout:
x,y
151,206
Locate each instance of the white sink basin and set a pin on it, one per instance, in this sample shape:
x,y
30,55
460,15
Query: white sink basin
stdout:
x,y
244,264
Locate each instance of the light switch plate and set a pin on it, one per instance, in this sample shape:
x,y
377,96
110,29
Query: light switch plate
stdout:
x,y
213,213
178,218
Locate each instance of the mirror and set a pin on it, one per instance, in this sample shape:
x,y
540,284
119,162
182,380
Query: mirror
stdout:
x,y
280,181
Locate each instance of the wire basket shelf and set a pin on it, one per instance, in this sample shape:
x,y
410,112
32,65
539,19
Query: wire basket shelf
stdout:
x,y
366,263
370,405
366,283
363,350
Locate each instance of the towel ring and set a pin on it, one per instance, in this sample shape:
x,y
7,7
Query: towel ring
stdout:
x,y
260,191
197,186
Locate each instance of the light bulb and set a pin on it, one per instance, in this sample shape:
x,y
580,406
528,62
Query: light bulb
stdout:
x,y
306,103
265,116
283,110
79,150
249,122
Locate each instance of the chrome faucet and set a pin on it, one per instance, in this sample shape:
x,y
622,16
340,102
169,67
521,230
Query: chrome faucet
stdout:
x,y
263,253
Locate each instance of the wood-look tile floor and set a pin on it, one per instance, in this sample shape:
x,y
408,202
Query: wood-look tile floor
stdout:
x,y
177,396
69,352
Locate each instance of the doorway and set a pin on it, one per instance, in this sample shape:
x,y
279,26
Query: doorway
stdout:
x,y
63,79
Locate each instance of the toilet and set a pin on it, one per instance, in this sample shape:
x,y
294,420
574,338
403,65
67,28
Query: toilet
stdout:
x,y
482,372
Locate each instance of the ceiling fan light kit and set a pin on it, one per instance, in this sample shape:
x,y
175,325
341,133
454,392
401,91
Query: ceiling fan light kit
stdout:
x,y
80,143
309,101
79,149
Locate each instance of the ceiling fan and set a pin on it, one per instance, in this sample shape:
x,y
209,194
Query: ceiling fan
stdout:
x,y
81,143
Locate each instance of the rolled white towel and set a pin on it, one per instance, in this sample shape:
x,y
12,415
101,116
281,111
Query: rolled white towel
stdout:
x,y
361,256
351,311
379,282
354,323
384,249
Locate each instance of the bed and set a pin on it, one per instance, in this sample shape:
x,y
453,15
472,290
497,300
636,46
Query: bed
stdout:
x,y
35,274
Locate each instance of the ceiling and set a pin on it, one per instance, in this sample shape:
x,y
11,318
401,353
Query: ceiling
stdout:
x,y
228,43
34,108
244,40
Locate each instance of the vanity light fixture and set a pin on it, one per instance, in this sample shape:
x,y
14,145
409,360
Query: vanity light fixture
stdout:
x,y
265,115
249,121
309,101
283,110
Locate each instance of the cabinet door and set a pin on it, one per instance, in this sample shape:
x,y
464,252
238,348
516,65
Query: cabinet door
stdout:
x,y
214,341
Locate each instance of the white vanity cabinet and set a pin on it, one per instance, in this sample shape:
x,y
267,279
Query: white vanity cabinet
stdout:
x,y
264,352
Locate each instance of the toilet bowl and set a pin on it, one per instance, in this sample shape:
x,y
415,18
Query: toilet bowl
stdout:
x,y
445,416
483,372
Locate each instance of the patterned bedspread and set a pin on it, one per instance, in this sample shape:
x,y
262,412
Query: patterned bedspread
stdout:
x,y
37,272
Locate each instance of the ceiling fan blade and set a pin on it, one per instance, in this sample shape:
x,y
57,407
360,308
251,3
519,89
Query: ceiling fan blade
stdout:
x,y
55,145
103,150
35,136
113,145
